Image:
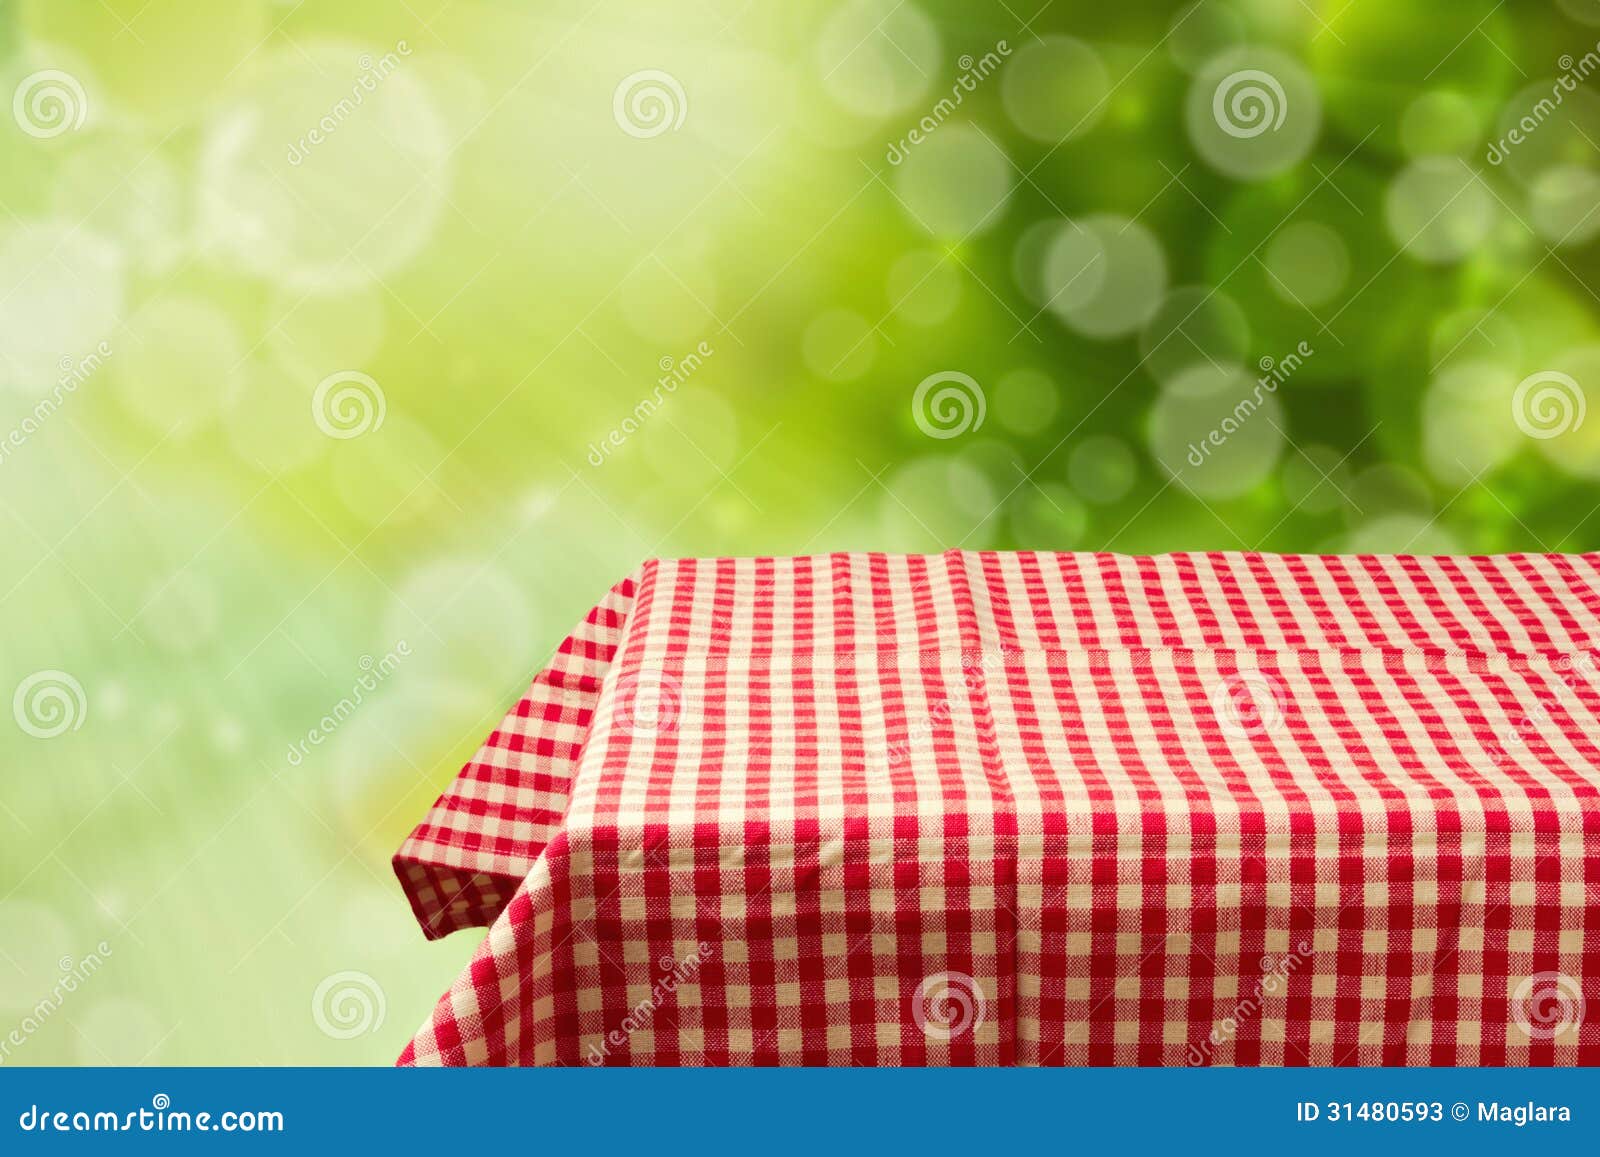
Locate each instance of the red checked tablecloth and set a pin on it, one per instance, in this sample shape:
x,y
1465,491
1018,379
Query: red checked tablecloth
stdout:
x,y
982,808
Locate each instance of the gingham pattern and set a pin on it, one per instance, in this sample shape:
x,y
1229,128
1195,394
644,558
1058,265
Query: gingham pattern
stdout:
x,y
1044,809
479,840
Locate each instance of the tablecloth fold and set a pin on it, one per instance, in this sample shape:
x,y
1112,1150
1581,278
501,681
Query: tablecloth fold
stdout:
x,y
461,864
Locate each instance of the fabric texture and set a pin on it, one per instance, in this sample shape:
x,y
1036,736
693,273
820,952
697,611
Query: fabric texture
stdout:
x,y
480,839
1043,809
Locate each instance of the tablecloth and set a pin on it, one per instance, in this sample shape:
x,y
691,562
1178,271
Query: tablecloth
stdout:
x,y
1030,808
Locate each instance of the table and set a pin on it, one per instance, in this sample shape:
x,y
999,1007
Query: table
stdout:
x,y
1038,809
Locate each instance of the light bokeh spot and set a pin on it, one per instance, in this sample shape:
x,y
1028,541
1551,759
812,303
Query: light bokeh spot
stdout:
x,y
1252,112
1134,281
1307,263
1026,401
1217,432
1194,324
875,57
1055,89
1438,210
360,199
955,184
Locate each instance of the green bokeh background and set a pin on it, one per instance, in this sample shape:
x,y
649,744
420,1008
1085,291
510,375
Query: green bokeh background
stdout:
x,y
513,270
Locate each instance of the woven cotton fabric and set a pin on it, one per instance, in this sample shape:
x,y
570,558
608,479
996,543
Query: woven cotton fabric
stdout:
x,y
1040,809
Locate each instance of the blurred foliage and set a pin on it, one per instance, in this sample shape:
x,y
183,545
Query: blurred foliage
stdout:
x,y
498,250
